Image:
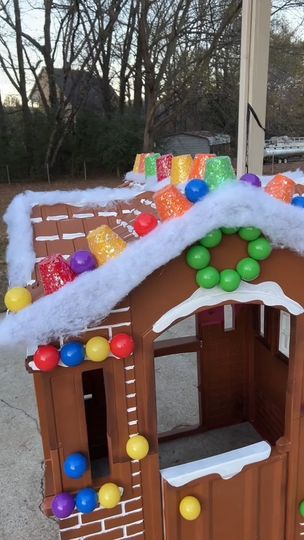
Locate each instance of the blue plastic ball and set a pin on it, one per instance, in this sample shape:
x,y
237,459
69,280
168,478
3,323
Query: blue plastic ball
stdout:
x,y
298,201
86,500
196,190
75,465
72,354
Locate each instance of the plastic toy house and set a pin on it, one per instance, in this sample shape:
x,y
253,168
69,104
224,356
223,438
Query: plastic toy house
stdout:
x,y
221,406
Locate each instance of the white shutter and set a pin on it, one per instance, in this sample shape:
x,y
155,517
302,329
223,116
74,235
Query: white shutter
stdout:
x,y
229,323
262,320
284,336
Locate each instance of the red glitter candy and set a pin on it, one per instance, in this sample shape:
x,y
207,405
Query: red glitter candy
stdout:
x,y
164,164
55,272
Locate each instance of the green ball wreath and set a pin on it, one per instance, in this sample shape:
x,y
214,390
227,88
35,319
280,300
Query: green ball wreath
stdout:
x,y
247,269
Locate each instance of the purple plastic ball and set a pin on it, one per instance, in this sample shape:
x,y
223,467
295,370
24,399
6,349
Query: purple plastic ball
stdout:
x,y
82,261
251,179
63,505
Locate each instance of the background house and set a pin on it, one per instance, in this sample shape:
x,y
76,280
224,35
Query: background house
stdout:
x,y
79,88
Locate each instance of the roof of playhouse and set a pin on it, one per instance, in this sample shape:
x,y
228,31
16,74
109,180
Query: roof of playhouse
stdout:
x,y
40,224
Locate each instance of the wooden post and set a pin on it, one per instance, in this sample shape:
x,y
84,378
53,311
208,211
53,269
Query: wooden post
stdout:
x,y
48,173
8,175
253,83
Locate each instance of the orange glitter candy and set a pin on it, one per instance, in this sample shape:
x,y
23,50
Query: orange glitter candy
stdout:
x,y
170,203
281,187
198,168
105,244
142,162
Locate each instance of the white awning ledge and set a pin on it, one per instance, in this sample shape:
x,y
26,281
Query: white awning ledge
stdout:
x,y
226,465
268,292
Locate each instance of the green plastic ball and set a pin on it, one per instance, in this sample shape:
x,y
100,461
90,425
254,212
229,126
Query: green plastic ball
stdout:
x,y
249,233
301,508
208,277
198,257
229,230
229,280
212,239
259,249
249,269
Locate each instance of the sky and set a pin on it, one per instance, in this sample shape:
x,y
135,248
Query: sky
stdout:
x,y
32,22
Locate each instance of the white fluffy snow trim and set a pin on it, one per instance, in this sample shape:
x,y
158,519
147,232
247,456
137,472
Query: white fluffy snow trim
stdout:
x,y
94,294
138,178
20,254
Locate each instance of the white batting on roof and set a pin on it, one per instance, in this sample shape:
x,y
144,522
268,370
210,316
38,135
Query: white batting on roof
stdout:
x,y
58,314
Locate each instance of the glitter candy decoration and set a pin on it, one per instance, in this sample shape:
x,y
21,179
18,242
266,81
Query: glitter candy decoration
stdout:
x,y
105,244
55,272
136,163
170,203
150,166
142,163
163,166
181,166
281,187
219,171
198,168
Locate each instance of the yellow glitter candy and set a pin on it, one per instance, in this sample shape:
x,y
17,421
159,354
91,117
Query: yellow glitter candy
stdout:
x,y
181,166
136,163
105,244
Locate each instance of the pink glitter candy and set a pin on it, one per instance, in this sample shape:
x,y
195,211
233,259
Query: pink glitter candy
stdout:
x,y
55,272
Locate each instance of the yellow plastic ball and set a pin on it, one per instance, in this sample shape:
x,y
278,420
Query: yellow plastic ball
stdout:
x,y
109,495
190,508
137,447
97,349
17,299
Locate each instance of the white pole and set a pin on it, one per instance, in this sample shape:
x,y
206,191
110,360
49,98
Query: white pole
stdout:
x,y
253,82
244,87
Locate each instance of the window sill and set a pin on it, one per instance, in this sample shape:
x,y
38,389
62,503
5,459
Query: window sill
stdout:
x,y
226,465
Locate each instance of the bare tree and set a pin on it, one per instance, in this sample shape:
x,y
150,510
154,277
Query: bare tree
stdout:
x,y
16,72
177,42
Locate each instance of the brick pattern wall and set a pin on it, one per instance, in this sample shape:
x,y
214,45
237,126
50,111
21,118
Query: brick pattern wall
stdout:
x,y
126,521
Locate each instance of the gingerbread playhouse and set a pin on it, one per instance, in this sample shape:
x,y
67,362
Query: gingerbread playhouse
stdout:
x,y
165,332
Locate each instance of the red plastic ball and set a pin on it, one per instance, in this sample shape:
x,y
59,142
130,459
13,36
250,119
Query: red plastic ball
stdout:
x,y
144,224
122,345
46,358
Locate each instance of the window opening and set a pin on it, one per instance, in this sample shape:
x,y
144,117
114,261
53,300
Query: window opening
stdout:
x,y
177,391
212,390
96,420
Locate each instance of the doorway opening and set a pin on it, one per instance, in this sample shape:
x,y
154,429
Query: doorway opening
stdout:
x,y
221,379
